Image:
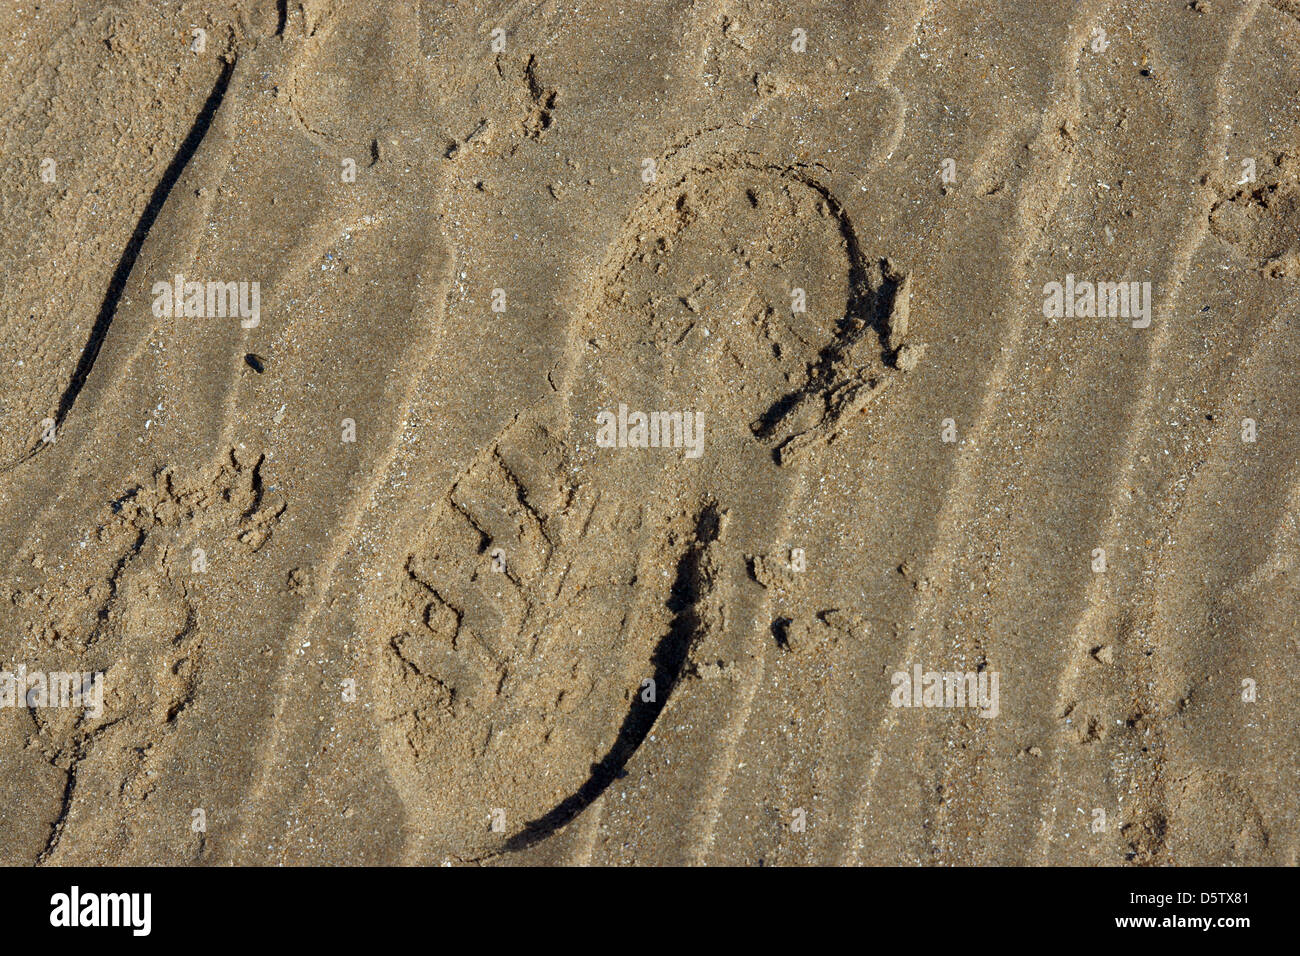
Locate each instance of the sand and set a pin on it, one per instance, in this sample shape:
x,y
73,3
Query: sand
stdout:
x,y
587,433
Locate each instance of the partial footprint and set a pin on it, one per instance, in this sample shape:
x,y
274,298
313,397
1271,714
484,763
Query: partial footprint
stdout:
x,y
126,604
1261,218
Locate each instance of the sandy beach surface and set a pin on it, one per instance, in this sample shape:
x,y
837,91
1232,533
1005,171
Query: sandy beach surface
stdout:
x,y
694,432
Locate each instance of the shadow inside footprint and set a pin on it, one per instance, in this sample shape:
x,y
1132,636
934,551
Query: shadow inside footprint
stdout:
x,y
691,586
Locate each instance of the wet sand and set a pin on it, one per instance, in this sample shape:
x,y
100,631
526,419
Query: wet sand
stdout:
x,y
581,434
